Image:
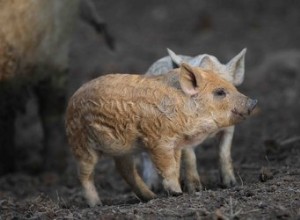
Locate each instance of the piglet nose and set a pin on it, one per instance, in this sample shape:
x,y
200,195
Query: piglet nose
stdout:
x,y
251,104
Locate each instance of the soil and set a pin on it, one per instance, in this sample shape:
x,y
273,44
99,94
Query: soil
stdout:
x,y
266,148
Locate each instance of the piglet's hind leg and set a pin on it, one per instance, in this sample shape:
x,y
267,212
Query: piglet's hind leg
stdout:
x,y
126,167
87,163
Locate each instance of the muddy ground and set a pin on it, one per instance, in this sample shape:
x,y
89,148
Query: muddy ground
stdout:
x,y
266,148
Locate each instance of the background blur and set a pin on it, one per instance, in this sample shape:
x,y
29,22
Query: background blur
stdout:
x,y
270,30
142,30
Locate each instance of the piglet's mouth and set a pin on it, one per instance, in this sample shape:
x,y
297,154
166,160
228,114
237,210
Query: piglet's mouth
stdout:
x,y
235,112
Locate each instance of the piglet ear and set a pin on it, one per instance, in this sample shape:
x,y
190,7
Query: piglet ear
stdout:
x,y
206,62
189,80
174,57
236,67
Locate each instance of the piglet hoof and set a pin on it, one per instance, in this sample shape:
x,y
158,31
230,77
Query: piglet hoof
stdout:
x,y
172,187
93,205
147,198
192,184
228,181
173,193
193,187
94,202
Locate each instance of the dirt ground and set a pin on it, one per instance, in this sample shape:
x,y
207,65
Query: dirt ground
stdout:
x,y
266,148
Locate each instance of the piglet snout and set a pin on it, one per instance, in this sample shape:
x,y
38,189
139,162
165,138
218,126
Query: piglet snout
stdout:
x,y
251,104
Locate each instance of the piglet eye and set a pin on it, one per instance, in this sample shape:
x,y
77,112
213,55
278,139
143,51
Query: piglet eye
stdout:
x,y
220,92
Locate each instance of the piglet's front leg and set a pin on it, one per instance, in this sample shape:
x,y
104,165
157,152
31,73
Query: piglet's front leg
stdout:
x,y
226,168
192,181
167,162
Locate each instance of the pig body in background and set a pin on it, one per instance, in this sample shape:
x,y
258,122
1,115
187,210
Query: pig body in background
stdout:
x,y
233,72
119,114
34,54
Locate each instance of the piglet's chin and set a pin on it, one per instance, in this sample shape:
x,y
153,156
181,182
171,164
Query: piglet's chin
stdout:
x,y
237,117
